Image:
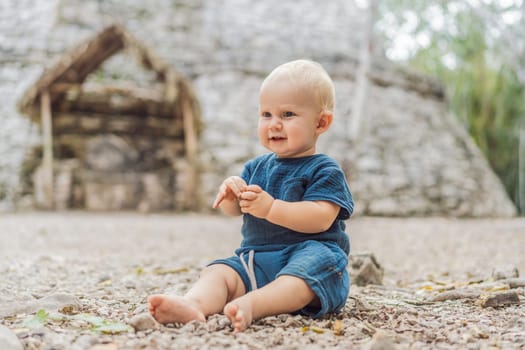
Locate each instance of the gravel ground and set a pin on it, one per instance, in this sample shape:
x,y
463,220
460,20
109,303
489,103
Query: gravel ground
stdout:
x,y
75,280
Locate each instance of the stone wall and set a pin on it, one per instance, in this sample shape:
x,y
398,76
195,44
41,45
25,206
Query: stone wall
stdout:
x,y
411,159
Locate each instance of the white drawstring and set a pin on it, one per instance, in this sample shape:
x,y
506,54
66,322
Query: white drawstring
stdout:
x,y
249,268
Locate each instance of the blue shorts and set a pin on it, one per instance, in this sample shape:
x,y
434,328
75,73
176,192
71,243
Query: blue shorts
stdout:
x,y
321,264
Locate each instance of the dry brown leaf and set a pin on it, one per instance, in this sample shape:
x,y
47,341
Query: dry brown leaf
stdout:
x,y
160,271
498,288
338,327
314,329
105,283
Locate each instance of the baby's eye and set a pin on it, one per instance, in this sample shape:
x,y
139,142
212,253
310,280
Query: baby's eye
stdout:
x,y
266,115
288,114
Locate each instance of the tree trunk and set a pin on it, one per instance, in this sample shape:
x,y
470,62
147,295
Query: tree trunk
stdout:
x,y
361,83
47,138
521,170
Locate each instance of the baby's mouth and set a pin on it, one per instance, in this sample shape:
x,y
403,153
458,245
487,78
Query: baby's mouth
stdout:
x,y
277,138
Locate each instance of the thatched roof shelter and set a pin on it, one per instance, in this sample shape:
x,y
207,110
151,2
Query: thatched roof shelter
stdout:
x,y
78,117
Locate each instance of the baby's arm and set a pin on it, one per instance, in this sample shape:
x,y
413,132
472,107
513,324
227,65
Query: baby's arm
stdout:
x,y
228,196
305,216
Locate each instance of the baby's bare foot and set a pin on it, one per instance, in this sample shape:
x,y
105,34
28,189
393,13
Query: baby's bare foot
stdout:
x,y
239,314
171,309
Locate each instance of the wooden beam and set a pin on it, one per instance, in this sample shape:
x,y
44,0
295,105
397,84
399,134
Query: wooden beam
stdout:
x,y
191,197
47,140
190,132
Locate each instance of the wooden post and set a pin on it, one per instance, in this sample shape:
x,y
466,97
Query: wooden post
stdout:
x,y
521,169
190,142
190,132
361,81
47,140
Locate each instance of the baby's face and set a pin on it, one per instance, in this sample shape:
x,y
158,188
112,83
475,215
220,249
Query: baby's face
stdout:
x,y
288,119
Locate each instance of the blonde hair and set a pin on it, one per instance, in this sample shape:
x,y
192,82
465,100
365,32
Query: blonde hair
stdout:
x,y
308,75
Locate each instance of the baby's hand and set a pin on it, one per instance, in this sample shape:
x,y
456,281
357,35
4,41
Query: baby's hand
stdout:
x,y
230,189
255,201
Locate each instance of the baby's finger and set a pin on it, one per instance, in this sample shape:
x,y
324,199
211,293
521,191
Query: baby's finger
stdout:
x,y
248,195
234,186
218,200
239,181
253,188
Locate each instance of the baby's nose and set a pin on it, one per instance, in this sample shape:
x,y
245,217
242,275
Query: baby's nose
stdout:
x,y
275,122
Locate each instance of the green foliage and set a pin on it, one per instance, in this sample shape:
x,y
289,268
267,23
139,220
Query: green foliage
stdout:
x,y
37,320
101,325
96,324
3,190
483,87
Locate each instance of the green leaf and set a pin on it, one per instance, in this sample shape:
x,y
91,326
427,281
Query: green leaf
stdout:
x,y
37,320
112,328
103,326
91,319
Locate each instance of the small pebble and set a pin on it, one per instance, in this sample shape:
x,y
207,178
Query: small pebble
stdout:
x,y
143,322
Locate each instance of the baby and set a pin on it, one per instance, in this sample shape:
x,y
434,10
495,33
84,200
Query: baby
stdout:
x,y
294,203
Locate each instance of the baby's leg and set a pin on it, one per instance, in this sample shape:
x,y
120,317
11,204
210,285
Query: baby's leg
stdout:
x,y
217,285
284,295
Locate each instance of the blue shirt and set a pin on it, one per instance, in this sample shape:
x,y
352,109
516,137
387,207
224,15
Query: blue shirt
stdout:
x,y
311,178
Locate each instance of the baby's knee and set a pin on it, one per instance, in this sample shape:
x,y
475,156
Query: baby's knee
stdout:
x,y
228,276
217,270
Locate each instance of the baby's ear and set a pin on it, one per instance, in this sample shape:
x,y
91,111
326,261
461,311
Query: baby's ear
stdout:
x,y
325,120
